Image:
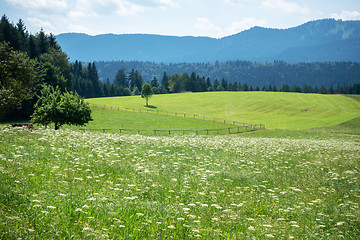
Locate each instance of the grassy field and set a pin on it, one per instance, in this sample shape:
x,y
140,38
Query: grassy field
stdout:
x,y
146,123
275,110
280,184
65,184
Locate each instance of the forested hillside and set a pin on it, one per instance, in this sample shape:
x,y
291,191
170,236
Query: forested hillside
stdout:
x,y
316,41
275,73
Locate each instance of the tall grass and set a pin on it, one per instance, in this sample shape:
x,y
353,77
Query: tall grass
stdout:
x,y
72,185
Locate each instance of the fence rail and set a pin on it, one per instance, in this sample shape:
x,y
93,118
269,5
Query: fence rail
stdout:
x,y
237,127
164,132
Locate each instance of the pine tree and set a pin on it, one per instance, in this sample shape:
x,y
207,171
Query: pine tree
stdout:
x,y
224,84
43,43
120,78
216,84
138,81
154,82
131,78
165,82
33,48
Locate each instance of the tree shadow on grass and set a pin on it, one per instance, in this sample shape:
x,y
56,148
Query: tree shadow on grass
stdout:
x,y
151,106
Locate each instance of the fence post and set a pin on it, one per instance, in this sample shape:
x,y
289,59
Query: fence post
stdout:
x,y
155,132
169,132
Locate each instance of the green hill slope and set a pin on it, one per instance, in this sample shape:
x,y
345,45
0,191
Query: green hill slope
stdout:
x,y
275,110
133,122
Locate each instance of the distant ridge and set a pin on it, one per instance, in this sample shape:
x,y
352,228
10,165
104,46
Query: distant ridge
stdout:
x,y
324,40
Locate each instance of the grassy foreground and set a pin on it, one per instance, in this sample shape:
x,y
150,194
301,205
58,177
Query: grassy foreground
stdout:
x,y
274,109
73,185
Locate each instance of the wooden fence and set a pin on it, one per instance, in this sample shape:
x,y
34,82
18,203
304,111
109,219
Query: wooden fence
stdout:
x,y
163,132
237,127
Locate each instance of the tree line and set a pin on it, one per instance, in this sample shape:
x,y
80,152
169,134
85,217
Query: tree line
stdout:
x,y
278,73
126,84
36,79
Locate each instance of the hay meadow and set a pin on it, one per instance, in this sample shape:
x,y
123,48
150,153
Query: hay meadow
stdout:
x,y
300,183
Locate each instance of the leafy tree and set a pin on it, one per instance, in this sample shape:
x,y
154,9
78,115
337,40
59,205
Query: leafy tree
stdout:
x,y
60,109
59,60
220,88
146,92
17,77
6,99
175,83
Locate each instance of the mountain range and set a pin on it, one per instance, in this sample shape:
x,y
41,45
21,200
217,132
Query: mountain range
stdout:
x,y
325,40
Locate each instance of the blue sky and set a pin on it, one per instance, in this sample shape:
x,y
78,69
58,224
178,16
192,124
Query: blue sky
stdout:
x,y
213,18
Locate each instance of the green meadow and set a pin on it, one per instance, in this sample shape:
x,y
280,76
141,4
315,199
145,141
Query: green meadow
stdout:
x,y
273,109
298,179
132,122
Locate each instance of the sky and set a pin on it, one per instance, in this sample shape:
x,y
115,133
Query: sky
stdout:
x,y
212,18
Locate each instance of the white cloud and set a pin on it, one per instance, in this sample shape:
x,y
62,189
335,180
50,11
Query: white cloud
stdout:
x,y
126,8
232,2
288,7
39,4
79,8
245,24
205,25
347,15
42,24
167,3
239,2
